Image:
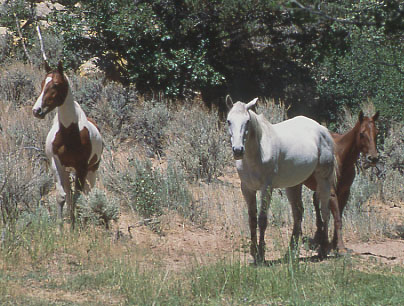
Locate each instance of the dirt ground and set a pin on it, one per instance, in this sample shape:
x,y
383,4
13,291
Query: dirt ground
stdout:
x,y
182,244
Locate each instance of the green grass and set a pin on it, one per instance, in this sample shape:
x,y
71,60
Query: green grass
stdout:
x,y
124,280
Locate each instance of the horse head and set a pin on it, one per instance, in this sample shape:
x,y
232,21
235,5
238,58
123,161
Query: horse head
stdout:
x,y
238,121
367,139
54,90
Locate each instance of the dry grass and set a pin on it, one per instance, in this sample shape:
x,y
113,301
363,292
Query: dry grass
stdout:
x,y
39,265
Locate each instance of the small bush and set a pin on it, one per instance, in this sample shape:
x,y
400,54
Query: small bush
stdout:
x,y
390,172
273,112
18,84
145,183
5,47
22,184
110,105
96,208
198,143
149,126
118,111
32,237
23,177
148,190
394,148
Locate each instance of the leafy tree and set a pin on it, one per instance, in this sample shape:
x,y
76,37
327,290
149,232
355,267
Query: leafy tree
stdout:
x,y
316,56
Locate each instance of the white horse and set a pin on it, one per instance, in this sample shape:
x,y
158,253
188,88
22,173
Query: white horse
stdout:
x,y
74,141
281,155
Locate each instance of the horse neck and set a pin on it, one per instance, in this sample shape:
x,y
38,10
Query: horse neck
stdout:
x,y
350,152
254,136
68,113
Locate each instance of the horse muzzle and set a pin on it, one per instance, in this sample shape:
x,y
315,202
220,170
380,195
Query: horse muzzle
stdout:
x,y
238,152
372,160
38,113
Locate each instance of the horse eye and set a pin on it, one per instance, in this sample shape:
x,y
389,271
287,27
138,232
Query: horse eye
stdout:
x,y
228,122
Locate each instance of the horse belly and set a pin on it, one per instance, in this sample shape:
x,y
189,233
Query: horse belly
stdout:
x,y
290,175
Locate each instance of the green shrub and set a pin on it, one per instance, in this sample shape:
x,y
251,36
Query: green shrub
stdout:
x,y
391,171
148,190
5,47
198,143
32,236
118,111
111,105
23,176
22,184
149,126
18,84
272,111
97,208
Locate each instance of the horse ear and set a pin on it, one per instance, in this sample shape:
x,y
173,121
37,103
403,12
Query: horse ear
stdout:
x,y
229,102
252,104
48,69
60,67
360,116
376,116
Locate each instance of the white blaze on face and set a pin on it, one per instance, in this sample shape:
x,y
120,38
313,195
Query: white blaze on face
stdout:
x,y
38,103
238,129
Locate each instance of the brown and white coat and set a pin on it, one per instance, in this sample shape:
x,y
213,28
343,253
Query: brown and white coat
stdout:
x,y
74,141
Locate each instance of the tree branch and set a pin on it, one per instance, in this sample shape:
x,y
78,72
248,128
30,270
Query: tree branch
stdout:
x,y
38,29
328,17
17,22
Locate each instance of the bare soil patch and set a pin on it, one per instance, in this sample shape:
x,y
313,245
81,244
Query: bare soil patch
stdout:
x,y
182,243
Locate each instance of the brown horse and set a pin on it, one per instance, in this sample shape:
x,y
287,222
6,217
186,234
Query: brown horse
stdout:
x,y
361,139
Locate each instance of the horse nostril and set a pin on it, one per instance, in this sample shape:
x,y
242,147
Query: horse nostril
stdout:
x,y
372,159
38,113
238,150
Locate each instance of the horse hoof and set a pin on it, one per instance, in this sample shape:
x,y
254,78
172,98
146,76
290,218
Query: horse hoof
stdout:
x,y
311,243
342,251
323,253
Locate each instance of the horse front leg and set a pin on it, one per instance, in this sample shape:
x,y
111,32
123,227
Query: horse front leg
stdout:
x,y
340,202
266,194
294,195
251,200
63,190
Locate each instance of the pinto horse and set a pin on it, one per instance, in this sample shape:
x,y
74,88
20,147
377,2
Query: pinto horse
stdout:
x,y
282,155
360,139
74,141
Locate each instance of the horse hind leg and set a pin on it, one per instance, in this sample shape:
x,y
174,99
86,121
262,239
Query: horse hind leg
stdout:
x,y
63,189
337,242
319,222
324,192
80,183
90,181
294,195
